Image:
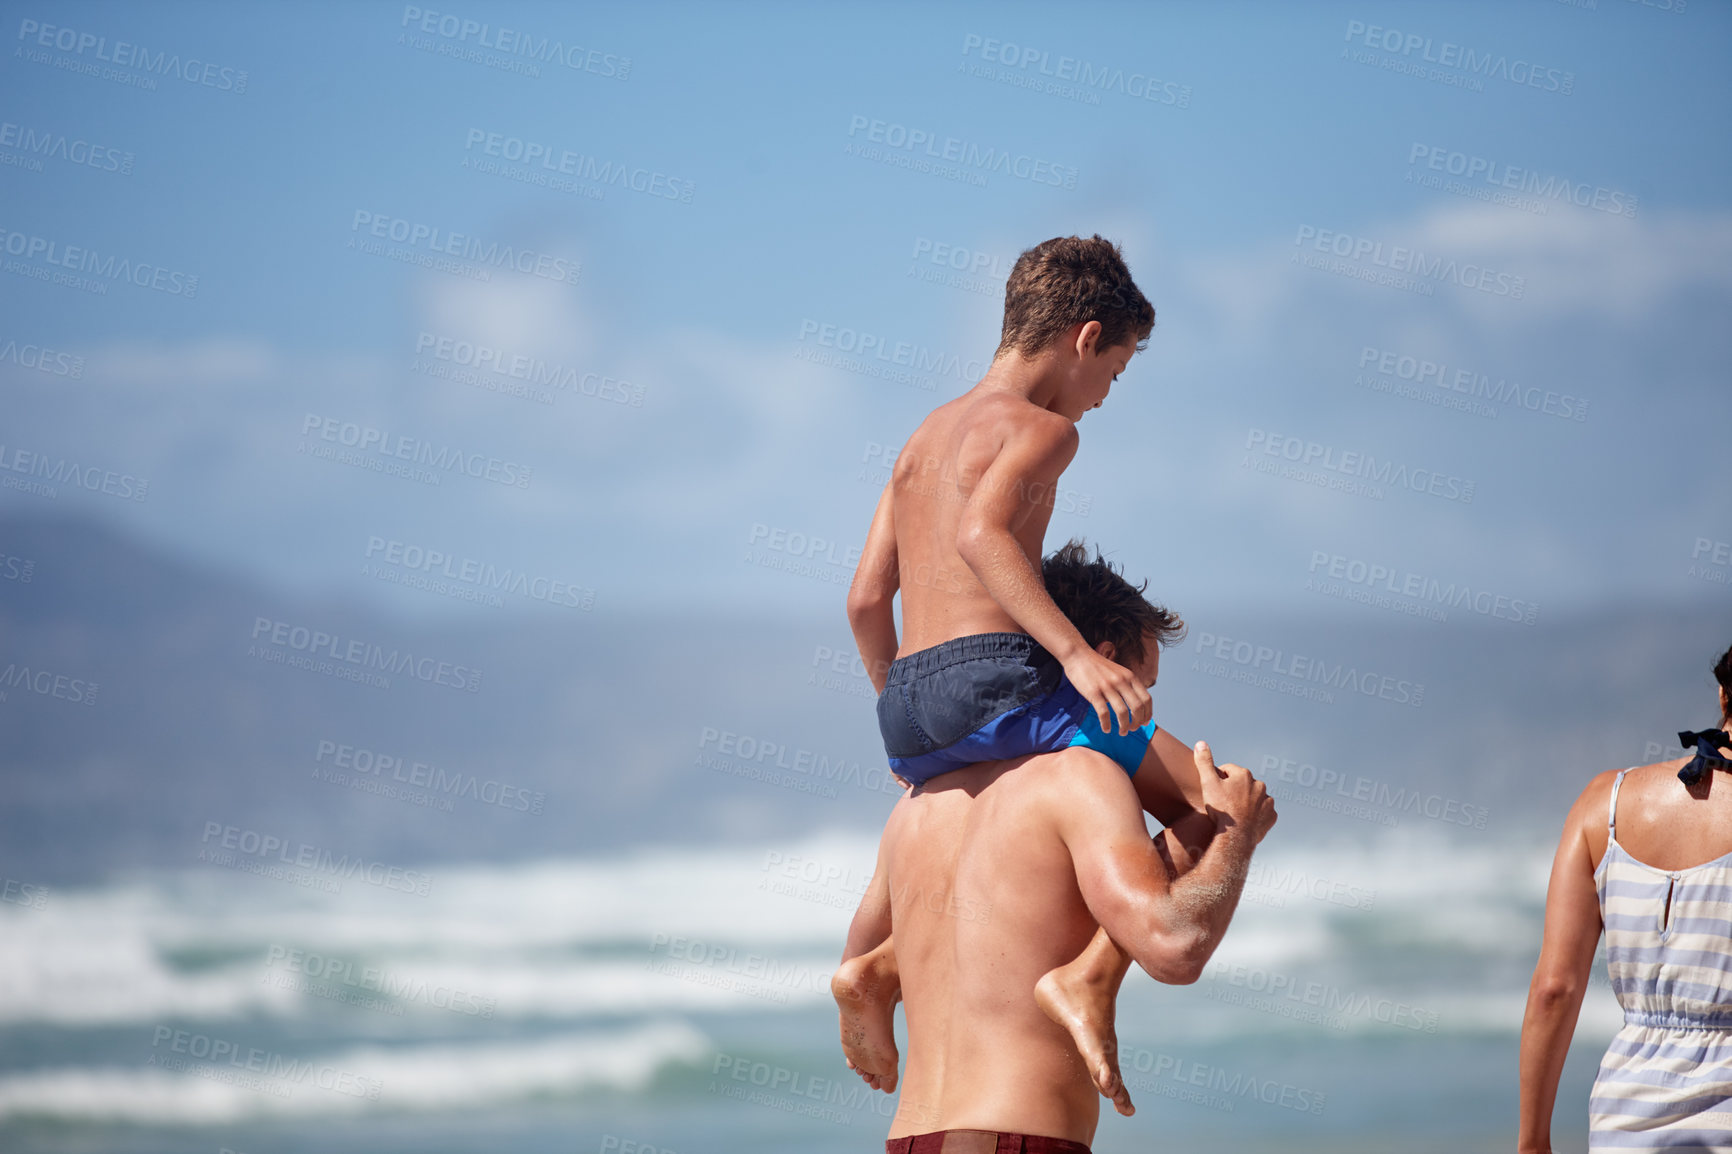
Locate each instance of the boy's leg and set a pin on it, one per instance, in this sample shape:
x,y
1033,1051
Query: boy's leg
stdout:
x,y
1082,995
866,989
1166,780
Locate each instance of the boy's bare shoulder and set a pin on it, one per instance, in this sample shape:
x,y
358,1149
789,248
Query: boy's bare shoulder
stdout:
x,y
1008,417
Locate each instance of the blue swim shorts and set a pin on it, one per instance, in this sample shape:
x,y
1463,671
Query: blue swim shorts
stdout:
x,y
987,697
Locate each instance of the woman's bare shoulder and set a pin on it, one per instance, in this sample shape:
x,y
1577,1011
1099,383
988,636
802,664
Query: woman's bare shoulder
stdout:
x,y
1588,816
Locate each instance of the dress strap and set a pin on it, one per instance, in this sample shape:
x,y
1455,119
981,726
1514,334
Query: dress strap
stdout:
x,y
1612,809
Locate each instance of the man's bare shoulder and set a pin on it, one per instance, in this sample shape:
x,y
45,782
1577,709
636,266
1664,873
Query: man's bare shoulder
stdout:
x,y
1075,783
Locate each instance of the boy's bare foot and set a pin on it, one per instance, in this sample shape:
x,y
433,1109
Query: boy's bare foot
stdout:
x,y
866,990
1085,1007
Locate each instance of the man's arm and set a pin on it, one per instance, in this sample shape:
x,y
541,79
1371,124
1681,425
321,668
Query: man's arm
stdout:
x,y
1171,927
870,597
1561,977
1030,461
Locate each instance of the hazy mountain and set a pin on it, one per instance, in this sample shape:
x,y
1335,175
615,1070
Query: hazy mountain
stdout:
x,y
608,716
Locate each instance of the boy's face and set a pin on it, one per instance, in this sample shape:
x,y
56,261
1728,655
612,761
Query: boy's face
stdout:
x,y
1096,369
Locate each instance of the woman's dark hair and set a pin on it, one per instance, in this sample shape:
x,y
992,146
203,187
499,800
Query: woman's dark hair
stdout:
x,y
1103,605
1723,674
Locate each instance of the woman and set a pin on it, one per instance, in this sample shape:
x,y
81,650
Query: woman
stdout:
x,y
1647,853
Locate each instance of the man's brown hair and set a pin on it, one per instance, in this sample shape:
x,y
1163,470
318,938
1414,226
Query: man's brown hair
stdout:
x,y
1103,605
1068,281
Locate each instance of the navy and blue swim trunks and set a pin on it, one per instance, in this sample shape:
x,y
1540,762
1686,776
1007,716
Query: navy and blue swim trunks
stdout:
x,y
987,697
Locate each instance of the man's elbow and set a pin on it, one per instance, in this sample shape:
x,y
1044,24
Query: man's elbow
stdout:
x,y
1177,959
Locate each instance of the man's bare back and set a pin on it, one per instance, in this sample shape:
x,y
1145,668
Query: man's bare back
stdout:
x,y
997,873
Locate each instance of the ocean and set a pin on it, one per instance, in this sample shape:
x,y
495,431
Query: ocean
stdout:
x,y
1368,997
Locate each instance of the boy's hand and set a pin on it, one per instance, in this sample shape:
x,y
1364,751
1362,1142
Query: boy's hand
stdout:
x,y
1113,690
1232,796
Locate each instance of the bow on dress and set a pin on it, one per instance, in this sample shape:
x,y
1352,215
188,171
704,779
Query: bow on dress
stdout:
x,y
1706,742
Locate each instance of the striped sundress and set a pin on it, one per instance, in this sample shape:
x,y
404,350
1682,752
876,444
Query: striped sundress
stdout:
x,y
1666,1080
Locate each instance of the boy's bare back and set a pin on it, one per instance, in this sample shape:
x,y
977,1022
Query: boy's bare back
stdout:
x,y
959,529
969,458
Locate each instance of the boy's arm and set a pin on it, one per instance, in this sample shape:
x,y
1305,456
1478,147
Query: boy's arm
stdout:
x,y
1030,462
870,597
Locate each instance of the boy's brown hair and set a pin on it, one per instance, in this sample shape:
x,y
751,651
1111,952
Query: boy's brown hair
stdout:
x,y
1103,605
1067,281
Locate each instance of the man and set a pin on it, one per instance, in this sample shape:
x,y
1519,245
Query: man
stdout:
x,y
997,873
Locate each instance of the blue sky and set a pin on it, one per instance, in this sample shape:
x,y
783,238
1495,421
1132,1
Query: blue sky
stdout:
x,y
701,433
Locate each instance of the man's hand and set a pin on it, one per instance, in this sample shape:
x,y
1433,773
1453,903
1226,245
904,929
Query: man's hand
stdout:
x,y
1113,690
1233,797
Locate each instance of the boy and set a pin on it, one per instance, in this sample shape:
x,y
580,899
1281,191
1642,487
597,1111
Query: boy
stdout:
x,y
988,666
